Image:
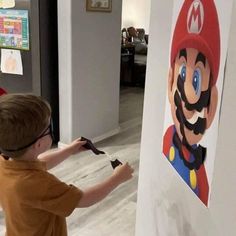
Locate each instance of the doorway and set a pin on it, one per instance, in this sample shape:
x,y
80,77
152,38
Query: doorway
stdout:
x,y
134,49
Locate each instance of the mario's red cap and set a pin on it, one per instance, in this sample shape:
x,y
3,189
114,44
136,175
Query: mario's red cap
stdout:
x,y
197,27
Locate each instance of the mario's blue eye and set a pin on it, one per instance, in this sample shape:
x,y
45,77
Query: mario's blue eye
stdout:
x,y
182,71
197,81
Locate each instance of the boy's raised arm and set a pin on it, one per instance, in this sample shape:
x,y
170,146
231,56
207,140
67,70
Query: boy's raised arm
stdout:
x,y
56,156
98,192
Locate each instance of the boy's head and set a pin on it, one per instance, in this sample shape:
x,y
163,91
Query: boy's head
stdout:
x,y
24,119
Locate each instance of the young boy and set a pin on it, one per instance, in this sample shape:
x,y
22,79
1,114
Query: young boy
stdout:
x,y
34,201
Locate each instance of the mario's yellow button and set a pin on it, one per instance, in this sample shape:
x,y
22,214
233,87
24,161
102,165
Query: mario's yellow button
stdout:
x,y
172,154
193,179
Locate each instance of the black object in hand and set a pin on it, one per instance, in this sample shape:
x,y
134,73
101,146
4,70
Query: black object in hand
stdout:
x,y
115,163
90,145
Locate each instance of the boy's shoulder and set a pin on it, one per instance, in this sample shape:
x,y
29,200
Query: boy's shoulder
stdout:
x,y
26,174
29,181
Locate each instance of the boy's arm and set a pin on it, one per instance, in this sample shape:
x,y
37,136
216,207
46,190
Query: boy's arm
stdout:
x,y
54,157
98,192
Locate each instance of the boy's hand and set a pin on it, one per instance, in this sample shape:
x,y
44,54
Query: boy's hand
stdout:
x,y
99,191
123,173
76,146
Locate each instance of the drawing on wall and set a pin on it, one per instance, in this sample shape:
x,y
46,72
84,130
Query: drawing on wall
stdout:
x,y
193,95
98,5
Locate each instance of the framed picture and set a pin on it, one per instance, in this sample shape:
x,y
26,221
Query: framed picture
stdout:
x,y
98,5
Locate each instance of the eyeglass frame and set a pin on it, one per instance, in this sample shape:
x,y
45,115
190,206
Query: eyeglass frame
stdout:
x,y
44,133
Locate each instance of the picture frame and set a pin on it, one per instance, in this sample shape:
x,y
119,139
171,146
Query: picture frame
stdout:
x,y
99,5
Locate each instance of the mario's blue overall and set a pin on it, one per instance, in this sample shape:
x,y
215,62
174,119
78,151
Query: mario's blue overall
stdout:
x,y
196,179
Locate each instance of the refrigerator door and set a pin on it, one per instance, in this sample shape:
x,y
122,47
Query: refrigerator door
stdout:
x,y
40,62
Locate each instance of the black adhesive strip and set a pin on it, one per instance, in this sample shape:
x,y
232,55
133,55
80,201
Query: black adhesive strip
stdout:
x,y
89,145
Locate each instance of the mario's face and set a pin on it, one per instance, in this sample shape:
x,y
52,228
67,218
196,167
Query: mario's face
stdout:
x,y
192,99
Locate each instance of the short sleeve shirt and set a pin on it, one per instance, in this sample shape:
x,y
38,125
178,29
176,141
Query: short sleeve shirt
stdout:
x,y
34,201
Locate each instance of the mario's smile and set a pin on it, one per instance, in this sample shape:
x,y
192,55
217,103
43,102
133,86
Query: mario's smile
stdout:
x,y
195,117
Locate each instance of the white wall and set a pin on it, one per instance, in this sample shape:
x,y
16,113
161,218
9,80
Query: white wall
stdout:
x,y
166,207
89,69
136,13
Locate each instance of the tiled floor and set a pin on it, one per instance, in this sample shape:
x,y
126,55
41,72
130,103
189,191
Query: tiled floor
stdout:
x,y
115,215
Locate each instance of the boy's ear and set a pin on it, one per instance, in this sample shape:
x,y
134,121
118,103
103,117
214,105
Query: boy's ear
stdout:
x,y
37,144
212,106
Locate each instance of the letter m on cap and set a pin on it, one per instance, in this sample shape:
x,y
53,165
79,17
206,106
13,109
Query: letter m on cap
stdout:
x,y
195,17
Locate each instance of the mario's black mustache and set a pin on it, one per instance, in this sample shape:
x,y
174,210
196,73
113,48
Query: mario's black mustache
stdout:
x,y
199,153
198,127
202,102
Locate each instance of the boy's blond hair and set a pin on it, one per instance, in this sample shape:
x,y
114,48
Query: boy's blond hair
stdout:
x,y
23,118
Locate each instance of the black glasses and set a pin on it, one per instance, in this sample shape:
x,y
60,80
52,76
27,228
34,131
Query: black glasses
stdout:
x,y
47,131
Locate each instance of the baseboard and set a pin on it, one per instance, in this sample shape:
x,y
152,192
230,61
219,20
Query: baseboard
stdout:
x,y
96,139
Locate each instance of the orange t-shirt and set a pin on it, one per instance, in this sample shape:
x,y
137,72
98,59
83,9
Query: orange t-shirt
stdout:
x,y
34,201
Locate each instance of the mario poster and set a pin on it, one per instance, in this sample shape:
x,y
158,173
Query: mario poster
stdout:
x,y
194,94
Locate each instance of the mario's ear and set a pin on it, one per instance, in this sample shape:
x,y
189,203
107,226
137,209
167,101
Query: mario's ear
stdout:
x,y
170,84
212,106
